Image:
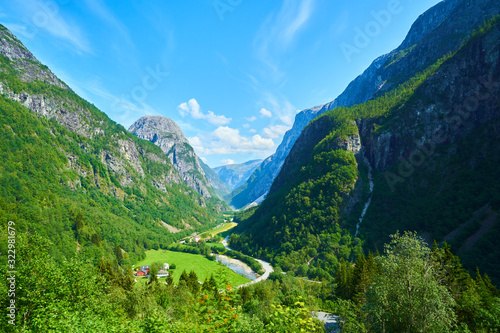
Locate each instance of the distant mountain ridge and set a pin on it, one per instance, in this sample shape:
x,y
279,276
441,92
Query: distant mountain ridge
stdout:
x,y
219,186
438,31
235,175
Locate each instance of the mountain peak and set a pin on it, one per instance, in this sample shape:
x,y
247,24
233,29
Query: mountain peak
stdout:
x,y
166,134
157,125
24,62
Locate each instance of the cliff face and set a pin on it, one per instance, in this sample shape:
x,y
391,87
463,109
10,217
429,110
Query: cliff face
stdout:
x,y
461,97
436,160
167,135
435,33
218,185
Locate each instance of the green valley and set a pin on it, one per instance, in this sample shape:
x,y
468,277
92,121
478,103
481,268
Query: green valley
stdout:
x,y
377,212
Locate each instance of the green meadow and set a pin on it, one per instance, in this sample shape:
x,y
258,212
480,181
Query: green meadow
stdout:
x,y
223,228
187,261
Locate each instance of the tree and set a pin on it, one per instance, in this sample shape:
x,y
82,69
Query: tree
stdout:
x,y
153,272
193,282
407,295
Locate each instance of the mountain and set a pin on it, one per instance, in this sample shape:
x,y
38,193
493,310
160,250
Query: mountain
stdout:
x,y
422,156
438,31
76,178
235,175
167,135
219,186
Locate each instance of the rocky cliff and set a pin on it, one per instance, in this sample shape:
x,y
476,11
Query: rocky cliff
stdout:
x,y
167,135
438,31
219,186
235,175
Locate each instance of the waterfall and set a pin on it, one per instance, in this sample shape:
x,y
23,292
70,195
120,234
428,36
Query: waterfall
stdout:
x,y
369,199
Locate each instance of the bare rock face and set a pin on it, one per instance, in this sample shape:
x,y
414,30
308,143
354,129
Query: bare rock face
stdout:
x,y
167,135
13,50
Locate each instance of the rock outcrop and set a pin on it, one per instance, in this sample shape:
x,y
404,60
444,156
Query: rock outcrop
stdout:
x,y
167,135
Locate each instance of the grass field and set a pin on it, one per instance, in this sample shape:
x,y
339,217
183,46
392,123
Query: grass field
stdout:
x,y
187,261
212,233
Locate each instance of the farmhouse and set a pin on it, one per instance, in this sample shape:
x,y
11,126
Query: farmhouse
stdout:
x,y
144,271
162,273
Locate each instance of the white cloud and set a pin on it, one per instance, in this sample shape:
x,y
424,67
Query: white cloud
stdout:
x,y
252,130
253,118
286,120
227,161
261,143
195,141
299,20
274,132
203,159
230,136
265,113
193,108
246,125
226,140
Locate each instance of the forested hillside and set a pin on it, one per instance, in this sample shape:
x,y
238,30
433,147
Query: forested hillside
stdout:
x,y
438,31
73,176
316,201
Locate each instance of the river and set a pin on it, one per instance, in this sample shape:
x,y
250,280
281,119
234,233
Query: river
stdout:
x,y
266,267
237,266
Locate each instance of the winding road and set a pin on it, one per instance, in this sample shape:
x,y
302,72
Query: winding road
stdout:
x,y
330,320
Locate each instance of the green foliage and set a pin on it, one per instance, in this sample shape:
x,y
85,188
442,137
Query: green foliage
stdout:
x,y
58,296
407,295
303,219
411,288
296,318
55,182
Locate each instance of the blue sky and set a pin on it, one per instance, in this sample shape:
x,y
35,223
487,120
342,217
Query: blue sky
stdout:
x,y
231,73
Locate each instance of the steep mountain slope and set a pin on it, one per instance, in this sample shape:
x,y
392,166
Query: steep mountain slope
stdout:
x,y
436,32
72,175
219,186
235,175
432,146
167,135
